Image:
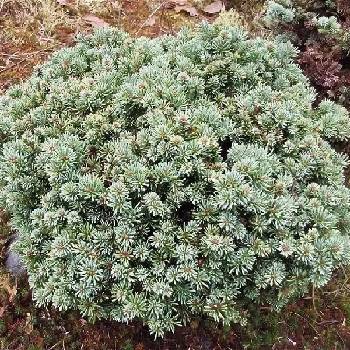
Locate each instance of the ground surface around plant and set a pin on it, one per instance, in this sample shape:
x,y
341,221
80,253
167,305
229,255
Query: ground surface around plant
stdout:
x,y
29,31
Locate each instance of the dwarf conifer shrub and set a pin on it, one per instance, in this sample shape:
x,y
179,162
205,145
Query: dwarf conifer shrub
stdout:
x,y
170,178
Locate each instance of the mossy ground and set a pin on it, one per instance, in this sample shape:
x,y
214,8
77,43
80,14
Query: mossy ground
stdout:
x,y
29,31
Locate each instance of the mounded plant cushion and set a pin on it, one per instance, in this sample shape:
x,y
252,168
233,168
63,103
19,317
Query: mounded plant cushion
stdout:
x,y
170,178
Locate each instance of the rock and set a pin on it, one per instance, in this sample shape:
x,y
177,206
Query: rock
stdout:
x,y
13,261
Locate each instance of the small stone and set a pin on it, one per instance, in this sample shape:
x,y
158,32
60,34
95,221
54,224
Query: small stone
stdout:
x,y
13,261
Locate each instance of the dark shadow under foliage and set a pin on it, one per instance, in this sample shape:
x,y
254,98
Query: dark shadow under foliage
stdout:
x,y
324,58
324,54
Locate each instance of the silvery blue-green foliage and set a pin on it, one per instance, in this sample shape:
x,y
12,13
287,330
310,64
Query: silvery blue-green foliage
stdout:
x,y
328,25
170,178
281,12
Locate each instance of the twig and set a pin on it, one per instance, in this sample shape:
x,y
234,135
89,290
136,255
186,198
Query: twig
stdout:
x,y
11,66
152,14
308,321
2,4
313,300
52,347
328,322
19,54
